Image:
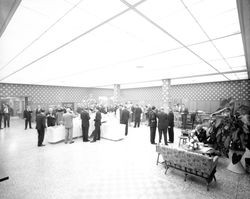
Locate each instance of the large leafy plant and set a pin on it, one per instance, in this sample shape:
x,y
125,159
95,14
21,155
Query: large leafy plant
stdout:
x,y
230,132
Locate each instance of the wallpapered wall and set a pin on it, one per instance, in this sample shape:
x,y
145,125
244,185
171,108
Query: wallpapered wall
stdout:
x,y
205,96
51,95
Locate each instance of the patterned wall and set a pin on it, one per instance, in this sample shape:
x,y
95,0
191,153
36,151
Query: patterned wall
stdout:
x,y
240,90
51,95
205,96
150,95
197,94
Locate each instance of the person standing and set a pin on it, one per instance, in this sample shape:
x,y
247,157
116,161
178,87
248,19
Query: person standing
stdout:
x,y
27,115
162,125
184,113
6,115
193,118
171,126
51,118
68,124
59,115
138,112
41,126
1,116
152,122
97,131
85,124
124,119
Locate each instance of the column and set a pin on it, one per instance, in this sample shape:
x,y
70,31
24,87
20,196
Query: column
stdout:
x,y
116,93
166,84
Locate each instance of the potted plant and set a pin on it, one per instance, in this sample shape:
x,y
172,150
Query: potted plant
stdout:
x,y
229,132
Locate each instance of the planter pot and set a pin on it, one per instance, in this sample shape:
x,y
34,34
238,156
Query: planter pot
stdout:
x,y
237,167
246,155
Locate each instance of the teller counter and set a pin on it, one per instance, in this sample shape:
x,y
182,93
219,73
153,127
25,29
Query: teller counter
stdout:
x,y
110,129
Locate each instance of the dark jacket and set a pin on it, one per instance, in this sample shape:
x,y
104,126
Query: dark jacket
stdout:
x,y
124,116
171,119
98,118
85,118
51,119
40,121
162,120
152,119
138,113
27,114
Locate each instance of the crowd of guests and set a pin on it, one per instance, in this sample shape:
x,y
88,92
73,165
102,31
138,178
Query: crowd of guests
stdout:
x,y
128,114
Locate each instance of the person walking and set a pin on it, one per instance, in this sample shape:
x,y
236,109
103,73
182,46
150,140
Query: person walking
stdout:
x,y
152,122
124,119
41,126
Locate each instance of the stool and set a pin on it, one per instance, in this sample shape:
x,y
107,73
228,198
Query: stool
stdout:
x,y
183,140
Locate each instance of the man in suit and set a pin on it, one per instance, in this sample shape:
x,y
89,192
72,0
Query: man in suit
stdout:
x,y
124,119
1,116
27,114
6,115
40,126
51,118
171,126
152,122
85,124
97,131
138,113
162,125
68,124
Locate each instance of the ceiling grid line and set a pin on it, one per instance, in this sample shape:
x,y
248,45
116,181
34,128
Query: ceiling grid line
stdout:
x,y
203,30
167,33
41,35
72,40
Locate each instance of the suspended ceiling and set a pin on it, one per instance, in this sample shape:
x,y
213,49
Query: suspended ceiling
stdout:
x,y
95,43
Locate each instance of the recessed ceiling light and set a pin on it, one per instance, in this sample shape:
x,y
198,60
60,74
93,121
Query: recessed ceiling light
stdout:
x,y
139,67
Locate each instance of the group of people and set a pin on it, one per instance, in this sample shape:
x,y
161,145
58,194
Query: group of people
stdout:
x,y
67,121
156,118
5,112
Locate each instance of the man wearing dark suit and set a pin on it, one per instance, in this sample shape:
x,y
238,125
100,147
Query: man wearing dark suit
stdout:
x,y
85,125
124,119
40,126
27,114
1,116
138,113
6,115
51,118
171,126
97,131
152,122
162,125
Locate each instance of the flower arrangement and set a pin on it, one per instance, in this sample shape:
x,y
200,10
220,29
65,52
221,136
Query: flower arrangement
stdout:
x,y
193,142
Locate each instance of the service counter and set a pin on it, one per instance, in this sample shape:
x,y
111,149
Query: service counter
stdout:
x,y
110,129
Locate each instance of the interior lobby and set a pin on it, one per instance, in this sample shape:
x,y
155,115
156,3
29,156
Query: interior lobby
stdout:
x,y
188,58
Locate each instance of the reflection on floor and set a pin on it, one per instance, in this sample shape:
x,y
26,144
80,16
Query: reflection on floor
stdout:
x,y
105,169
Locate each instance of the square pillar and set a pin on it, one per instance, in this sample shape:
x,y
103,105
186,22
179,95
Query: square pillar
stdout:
x,y
117,93
166,84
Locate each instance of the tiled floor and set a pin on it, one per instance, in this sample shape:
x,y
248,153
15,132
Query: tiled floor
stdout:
x,y
105,169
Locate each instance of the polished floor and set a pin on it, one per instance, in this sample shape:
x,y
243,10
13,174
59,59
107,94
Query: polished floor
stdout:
x,y
105,169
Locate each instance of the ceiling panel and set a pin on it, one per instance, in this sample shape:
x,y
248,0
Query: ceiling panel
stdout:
x,y
78,43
